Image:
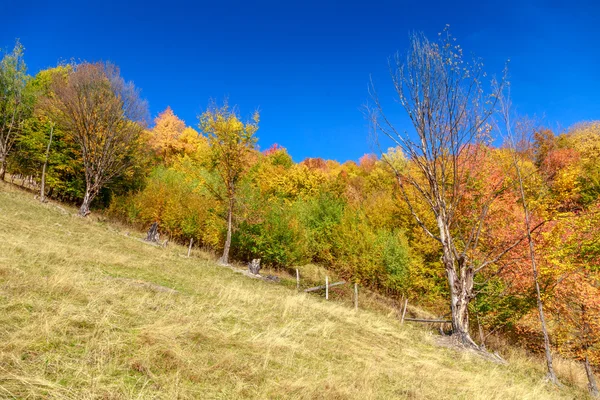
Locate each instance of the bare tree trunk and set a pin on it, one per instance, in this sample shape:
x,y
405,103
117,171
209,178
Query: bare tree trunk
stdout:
x,y
592,385
190,247
505,106
540,306
460,281
2,167
551,374
254,266
225,257
43,188
84,210
538,296
153,235
585,334
481,334
461,289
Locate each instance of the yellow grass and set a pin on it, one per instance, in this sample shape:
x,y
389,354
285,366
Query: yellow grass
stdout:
x,y
84,314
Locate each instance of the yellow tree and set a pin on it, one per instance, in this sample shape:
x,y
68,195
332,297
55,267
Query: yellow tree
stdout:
x,y
231,142
164,137
573,254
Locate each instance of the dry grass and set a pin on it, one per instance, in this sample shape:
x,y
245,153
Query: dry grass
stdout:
x,y
84,315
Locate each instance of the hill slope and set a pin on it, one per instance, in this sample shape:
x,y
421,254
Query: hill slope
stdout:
x,y
85,313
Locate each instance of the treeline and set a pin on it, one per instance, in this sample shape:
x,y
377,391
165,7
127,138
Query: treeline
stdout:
x,y
340,215
451,216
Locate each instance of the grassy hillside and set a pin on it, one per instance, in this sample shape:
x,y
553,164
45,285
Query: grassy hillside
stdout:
x,y
86,313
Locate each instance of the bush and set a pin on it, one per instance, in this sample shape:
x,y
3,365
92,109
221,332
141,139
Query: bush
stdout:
x,y
177,202
375,257
320,217
275,237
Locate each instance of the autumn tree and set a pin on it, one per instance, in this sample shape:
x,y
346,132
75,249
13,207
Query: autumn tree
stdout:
x,y
520,145
165,134
104,115
444,98
578,314
573,255
40,151
13,101
231,142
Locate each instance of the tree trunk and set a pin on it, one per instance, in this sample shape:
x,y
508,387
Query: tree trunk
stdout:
x,y
585,334
2,168
254,266
549,362
225,257
84,210
153,235
461,293
190,248
460,281
592,385
43,188
540,306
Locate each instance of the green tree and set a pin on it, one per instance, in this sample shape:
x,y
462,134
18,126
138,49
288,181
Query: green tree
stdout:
x,y
64,166
14,104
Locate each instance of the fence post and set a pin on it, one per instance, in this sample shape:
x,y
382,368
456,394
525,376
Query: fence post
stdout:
x,y
355,296
481,335
404,311
190,248
297,280
326,287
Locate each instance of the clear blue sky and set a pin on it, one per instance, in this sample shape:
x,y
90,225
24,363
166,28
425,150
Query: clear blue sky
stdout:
x,y
306,64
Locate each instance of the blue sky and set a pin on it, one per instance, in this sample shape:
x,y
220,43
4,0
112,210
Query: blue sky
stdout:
x,y
306,65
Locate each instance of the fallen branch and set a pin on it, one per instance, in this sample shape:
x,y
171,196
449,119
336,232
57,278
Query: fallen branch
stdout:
x,y
439,321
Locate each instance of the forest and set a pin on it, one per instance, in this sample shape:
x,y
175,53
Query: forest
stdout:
x,y
472,212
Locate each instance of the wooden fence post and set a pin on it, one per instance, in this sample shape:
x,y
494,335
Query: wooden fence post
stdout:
x,y
404,311
326,287
190,248
297,280
481,335
355,296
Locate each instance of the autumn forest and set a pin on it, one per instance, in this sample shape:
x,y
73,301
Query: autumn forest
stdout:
x,y
471,212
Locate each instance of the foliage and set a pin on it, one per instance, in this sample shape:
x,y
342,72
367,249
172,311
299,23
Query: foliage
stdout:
x,y
401,224
231,142
64,175
170,138
273,233
104,116
15,101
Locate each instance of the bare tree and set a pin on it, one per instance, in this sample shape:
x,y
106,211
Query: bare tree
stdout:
x,y
444,98
43,185
520,143
105,116
13,104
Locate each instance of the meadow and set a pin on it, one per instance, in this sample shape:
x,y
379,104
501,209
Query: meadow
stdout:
x,y
90,311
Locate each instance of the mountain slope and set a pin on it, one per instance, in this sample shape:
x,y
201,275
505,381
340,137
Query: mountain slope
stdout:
x,y
89,312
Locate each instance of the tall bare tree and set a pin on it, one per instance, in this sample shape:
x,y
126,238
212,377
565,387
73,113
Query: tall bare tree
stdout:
x,y
444,97
105,115
519,141
13,101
